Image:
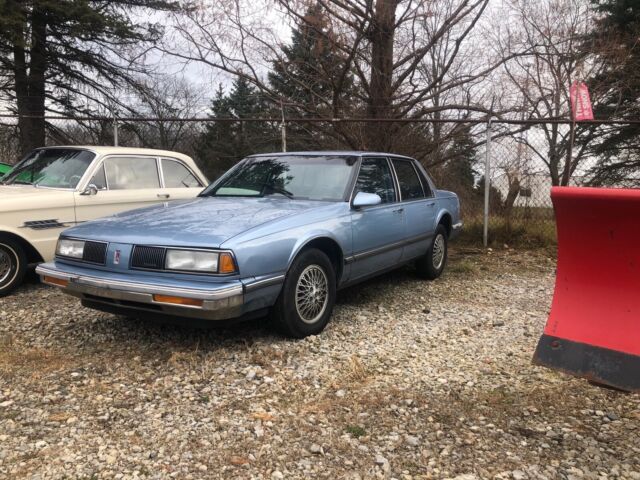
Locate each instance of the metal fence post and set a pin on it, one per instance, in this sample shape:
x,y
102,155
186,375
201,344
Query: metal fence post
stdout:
x,y
487,185
283,129
115,131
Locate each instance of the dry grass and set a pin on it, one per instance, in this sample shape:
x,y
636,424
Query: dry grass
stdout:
x,y
18,360
462,267
534,233
357,371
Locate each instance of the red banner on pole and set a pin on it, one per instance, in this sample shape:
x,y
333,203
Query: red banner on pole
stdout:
x,y
580,102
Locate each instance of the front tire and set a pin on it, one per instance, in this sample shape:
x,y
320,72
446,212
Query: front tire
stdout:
x,y
13,265
308,295
432,264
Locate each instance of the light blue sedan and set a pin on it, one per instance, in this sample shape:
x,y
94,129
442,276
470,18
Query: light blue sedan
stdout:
x,y
277,234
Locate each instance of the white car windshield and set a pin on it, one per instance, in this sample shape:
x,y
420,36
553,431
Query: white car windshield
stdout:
x,y
51,167
304,177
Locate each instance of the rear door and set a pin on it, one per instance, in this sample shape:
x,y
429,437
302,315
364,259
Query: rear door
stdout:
x,y
419,206
179,181
124,182
378,231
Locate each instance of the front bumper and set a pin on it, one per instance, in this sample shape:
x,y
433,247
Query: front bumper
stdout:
x,y
215,302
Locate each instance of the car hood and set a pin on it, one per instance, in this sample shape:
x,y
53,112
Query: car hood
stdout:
x,y
27,197
199,222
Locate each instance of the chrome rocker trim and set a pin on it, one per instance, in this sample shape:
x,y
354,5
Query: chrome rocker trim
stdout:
x,y
221,304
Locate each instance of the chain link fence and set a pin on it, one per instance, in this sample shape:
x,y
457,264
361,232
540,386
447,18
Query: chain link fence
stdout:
x,y
521,159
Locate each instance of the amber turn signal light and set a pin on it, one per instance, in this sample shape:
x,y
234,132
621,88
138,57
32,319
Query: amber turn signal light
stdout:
x,y
226,263
58,282
192,302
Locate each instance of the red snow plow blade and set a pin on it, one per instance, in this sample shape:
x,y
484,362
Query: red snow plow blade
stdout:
x,y
593,330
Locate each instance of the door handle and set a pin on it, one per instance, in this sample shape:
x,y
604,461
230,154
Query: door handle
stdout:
x,y
431,204
398,210
163,195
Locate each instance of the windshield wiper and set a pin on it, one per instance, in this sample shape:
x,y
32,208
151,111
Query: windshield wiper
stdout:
x,y
280,190
19,182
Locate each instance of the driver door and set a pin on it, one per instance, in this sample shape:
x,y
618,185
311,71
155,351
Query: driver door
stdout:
x,y
123,183
378,230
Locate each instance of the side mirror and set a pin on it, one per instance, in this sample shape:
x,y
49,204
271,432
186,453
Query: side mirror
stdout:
x,y
90,190
363,199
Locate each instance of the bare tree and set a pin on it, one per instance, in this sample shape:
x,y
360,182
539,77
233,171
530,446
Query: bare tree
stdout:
x,y
168,101
551,33
386,45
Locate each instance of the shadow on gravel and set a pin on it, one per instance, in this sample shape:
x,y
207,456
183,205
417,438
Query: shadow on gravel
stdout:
x,y
103,332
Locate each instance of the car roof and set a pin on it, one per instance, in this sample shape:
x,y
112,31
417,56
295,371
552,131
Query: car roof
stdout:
x,y
352,153
106,150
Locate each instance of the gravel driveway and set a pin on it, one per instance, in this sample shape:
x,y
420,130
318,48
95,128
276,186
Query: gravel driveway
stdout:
x,y
411,380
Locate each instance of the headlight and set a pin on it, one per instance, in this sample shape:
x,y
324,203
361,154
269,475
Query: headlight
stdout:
x,y
199,261
70,248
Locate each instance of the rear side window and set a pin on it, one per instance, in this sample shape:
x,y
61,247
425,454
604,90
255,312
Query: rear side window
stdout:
x,y
410,185
128,173
177,175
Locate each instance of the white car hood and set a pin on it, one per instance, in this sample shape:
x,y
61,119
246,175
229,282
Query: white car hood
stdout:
x,y
27,197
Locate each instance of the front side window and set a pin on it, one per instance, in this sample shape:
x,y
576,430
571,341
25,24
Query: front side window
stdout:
x,y
177,175
304,177
51,167
375,177
126,173
99,179
410,186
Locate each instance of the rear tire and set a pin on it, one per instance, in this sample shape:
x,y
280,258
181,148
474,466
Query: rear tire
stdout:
x,y
308,295
13,265
432,264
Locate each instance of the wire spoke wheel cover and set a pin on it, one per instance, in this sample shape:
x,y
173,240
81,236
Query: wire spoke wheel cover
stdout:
x,y
6,263
312,294
438,251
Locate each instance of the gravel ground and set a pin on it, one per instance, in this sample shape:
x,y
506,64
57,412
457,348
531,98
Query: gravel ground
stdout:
x,y
410,380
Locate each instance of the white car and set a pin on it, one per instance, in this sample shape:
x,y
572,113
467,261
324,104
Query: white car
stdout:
x,y
53,188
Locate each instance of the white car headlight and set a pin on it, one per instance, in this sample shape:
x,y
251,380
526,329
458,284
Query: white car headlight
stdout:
x,y
70,248
192,260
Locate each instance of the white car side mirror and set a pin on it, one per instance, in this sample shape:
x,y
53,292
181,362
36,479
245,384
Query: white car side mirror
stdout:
x,y
363,199
90,190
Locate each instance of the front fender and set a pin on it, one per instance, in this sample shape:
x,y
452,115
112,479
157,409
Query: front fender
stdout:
x,y
41,242
274,253
315,235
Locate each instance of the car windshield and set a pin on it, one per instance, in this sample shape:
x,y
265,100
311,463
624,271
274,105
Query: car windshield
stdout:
x,y
303,177
51,167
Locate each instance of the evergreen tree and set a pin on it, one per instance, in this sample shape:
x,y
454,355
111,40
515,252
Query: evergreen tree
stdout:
x,y
459,169
214,149
616,40
223,143
53,52
309,77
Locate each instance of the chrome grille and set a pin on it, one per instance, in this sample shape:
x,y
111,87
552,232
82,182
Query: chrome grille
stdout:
x,y
148,257
95,252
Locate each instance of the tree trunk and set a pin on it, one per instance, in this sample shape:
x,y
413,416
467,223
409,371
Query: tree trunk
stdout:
x,y
512,195
382,33
30,82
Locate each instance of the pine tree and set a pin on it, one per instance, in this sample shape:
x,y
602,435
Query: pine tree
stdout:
x,y
462,158
56,52
615,39
223,143
215,151
308,77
